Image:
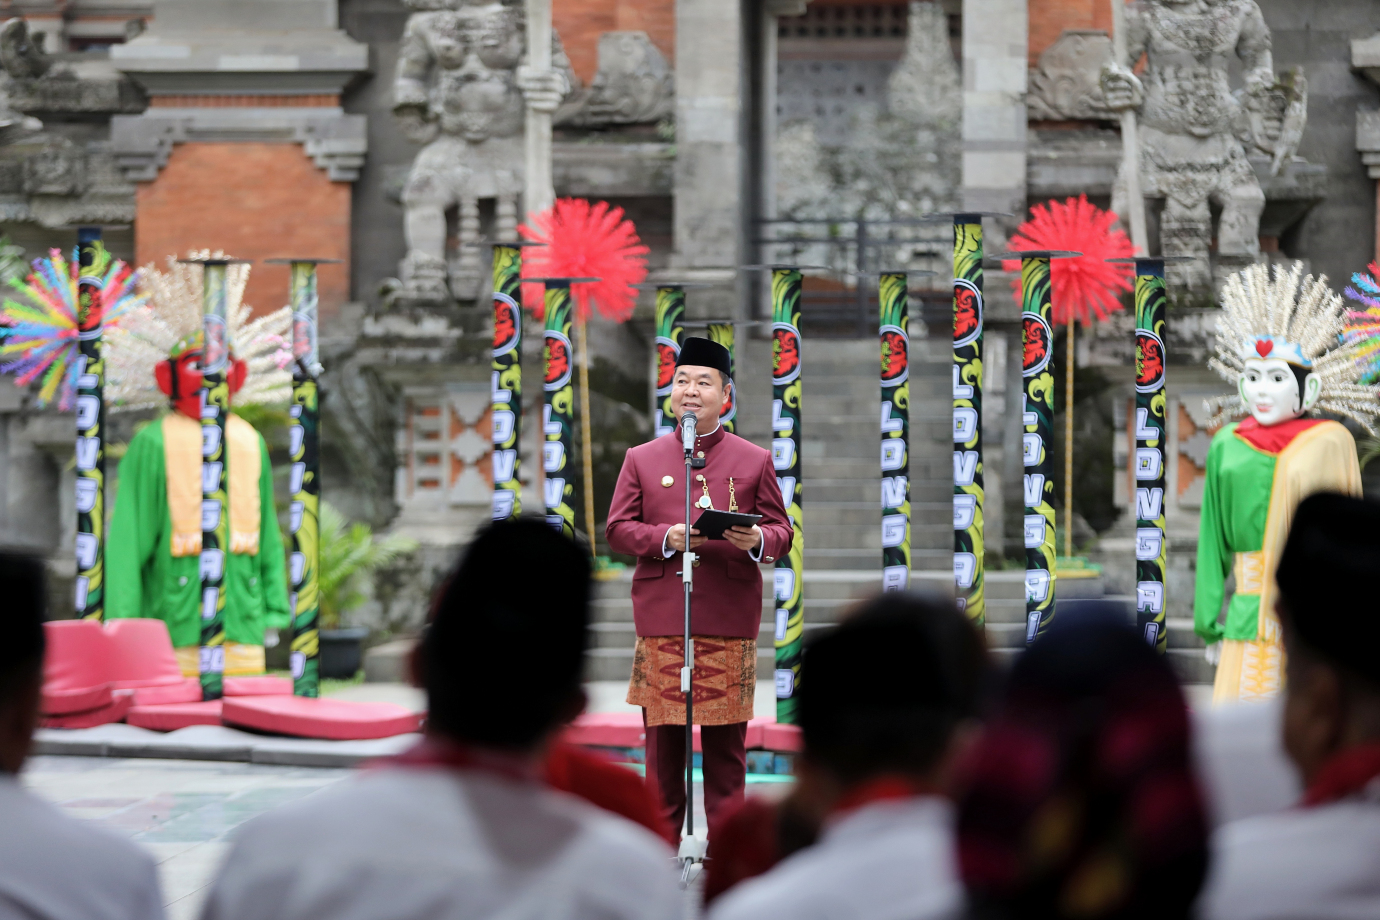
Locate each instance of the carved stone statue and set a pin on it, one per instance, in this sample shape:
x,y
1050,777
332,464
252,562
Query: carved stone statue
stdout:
x,y
460,90
634,85
1196,132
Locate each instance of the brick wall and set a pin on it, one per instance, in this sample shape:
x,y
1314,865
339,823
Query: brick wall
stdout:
x,y
1049,18
581,22
254,201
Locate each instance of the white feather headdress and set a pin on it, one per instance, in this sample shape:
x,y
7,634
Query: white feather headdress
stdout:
x,y
1287,305
171,314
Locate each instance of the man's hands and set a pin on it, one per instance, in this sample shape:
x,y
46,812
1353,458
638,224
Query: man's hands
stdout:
x,y
745,538
675,538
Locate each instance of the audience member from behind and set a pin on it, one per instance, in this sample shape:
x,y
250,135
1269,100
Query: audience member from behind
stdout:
x,y
1320,860
883,700
1079,800
51,866
465,826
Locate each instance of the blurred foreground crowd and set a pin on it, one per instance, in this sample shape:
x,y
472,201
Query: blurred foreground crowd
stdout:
x,y
931,784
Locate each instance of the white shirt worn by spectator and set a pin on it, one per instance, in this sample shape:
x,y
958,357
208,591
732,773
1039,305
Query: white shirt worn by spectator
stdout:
x,y
425,843
888,860
55,867
1318,863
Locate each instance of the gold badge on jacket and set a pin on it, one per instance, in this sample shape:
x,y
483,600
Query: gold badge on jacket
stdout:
x,y
668,481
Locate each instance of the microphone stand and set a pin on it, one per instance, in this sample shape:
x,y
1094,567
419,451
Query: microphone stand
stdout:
x,y
692,848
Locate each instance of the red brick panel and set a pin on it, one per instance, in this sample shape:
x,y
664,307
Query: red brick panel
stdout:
x,y
581,22
254,201
1049,18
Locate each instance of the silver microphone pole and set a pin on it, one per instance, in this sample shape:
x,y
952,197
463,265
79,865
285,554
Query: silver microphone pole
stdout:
x,y
687,562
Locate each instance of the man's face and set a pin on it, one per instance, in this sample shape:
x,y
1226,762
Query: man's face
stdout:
x,y
699,390
1271,391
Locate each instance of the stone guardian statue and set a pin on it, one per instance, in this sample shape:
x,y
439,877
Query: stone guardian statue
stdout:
x,y
460,89
1196,133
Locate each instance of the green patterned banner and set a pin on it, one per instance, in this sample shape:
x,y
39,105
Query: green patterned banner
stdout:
x,y
1037,420
969,493
1151,425
785,456
558,411
507,382
670,335
304,521
893,302
723,334
215,507
90,445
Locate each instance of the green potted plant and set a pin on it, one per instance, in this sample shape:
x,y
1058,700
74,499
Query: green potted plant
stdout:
x,y
349,552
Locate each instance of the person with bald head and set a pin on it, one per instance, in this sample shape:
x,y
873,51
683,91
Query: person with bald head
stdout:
x,y
1321,859
647,520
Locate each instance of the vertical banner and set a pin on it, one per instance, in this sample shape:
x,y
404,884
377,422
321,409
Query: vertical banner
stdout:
x,y
785,455
723,334
893,302
558,410
1037,422
90,445
304,520
1151,427
215,524
969,494
507,382
670,335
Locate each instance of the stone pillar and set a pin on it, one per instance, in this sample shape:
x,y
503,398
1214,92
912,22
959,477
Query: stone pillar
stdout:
x,y
994,116
1365,57
710,142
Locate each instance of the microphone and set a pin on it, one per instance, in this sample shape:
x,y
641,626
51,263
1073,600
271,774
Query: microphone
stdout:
x,y
687,431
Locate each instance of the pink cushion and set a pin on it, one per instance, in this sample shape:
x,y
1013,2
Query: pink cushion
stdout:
x,y
607,729
334,720
785,738
172,716
112,711
76,667
186,690
755,730
141,653
258,686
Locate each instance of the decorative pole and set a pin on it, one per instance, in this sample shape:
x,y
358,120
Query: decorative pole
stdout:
x,y
215,524
1037,418
506,388
586,434
723,334
304,479
1070,360
969,493
786,416
670,335
558,408
893,303
1152,548
90,447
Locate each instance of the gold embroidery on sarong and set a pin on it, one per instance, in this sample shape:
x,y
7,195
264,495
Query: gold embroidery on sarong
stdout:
x,y
723,682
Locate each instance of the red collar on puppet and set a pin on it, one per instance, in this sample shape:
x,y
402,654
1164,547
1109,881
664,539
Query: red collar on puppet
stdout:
x,y
179,377
1346,774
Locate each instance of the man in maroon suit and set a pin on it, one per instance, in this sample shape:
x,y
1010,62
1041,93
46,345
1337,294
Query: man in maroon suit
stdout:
x,y
647,520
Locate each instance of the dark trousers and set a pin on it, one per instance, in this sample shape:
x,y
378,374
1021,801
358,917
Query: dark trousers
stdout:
x,y
724,750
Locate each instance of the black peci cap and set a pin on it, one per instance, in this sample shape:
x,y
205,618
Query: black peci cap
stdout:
x,y
700,352
1325,579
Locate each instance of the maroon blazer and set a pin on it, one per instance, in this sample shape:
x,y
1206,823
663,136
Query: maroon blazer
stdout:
x,y
727,600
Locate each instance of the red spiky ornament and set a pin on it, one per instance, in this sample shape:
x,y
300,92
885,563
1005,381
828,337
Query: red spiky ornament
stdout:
x,y
1087,284
585,240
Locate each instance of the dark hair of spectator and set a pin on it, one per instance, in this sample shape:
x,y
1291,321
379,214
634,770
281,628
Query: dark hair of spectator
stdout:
x,y
883,691
1079,799
503,654
23,585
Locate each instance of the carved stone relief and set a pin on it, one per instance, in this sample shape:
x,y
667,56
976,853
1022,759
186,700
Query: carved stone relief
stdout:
x,y
1066,84
634,85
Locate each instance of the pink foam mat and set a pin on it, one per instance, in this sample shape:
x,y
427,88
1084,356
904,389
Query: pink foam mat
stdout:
x,y
141,653
76,667
186,690
258,686
328,719
169,717
113,711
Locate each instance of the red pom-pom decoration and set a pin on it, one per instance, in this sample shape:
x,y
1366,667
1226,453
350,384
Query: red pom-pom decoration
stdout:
x,y
585,240
1086,284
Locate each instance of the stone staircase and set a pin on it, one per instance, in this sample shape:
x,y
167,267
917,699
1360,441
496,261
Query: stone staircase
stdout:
x,y
842,510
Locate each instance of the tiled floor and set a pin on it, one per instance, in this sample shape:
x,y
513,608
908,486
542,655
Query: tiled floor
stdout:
x,y
182,811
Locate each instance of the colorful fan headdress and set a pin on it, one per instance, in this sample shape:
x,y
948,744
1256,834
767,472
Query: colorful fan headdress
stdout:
x,y
45,323
172,318
1087,284
1363,326
1302,317
585,240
